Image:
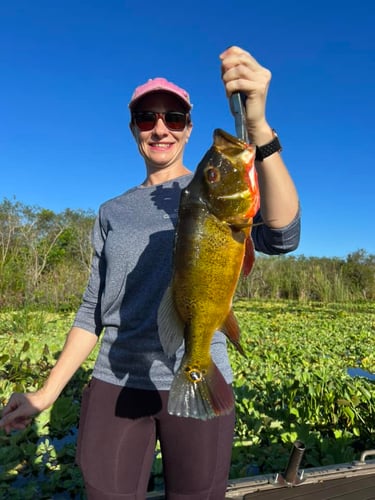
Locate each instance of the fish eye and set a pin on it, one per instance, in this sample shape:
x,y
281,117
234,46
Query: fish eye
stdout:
x,y
212,174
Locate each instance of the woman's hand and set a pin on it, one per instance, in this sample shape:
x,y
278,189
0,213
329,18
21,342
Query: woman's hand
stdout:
x,y
242,73
20,409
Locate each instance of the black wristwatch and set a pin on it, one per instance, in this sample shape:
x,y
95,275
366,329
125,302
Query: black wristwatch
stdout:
x,y
268,149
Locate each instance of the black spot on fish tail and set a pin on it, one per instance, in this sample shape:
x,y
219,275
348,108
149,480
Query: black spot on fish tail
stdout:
x,y
206,397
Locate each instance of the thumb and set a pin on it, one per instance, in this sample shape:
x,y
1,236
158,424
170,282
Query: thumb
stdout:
x,y
18,407
4,421
15,420
10,414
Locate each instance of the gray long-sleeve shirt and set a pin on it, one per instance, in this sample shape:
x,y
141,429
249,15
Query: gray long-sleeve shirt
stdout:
x,y
133,239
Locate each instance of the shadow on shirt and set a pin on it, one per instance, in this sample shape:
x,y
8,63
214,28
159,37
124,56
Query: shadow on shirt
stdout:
x,y
168,200
135,403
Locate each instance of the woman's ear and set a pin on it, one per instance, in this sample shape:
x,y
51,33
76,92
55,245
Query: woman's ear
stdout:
x,y
189,130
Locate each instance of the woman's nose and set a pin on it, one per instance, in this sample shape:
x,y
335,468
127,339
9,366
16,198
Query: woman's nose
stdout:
x,y
160,127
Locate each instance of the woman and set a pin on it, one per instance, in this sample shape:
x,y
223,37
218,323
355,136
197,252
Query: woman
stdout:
x,y
124,407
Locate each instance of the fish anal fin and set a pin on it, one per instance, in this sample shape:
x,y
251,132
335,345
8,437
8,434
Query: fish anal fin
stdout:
x,y
206,399
232,331
170,325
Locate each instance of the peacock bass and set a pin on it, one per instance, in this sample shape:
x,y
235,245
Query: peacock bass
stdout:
x,y
212,245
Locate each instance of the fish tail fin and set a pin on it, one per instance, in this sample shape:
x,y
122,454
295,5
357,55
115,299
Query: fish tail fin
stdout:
x,y
209,397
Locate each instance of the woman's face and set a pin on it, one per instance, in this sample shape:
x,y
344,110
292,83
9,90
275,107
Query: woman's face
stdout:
x,y
160,146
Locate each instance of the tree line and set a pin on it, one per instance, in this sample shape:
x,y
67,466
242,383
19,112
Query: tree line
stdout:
x,y
45,261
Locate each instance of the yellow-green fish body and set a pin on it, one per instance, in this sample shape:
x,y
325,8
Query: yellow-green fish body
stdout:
x,y
212,244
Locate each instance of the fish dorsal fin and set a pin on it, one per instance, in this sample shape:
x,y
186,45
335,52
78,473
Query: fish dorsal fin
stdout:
x,y
170,326
249,257
232,331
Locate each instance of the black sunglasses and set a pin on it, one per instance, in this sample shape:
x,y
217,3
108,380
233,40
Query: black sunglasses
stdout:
x,y
174,120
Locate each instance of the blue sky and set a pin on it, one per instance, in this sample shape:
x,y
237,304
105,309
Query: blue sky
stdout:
x,y
68,69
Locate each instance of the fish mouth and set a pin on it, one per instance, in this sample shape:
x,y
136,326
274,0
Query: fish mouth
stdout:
x,y
244,195
229,145
220,135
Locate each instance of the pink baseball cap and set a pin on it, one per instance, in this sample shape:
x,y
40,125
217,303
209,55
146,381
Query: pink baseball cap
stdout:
x,y
160,85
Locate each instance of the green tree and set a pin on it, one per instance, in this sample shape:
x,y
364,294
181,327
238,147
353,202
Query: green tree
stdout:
x,y
359,273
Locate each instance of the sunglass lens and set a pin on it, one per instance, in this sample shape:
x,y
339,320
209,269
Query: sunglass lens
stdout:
x,y
145,120
175,120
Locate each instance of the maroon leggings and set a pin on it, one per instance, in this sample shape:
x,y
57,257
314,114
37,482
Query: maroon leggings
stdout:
x,y
116,443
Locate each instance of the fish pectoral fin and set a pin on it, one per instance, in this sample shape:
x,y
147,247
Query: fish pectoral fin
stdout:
x,y
232,331
249,257
170,325
208,398
240,224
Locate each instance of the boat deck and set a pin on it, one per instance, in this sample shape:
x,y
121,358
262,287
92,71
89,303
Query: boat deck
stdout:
x,y
350,481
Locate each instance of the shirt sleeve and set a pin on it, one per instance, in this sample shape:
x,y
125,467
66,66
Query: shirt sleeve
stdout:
x,y
273,241
89,313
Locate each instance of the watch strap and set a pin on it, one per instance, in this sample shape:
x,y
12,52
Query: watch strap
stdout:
x,y
268,149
